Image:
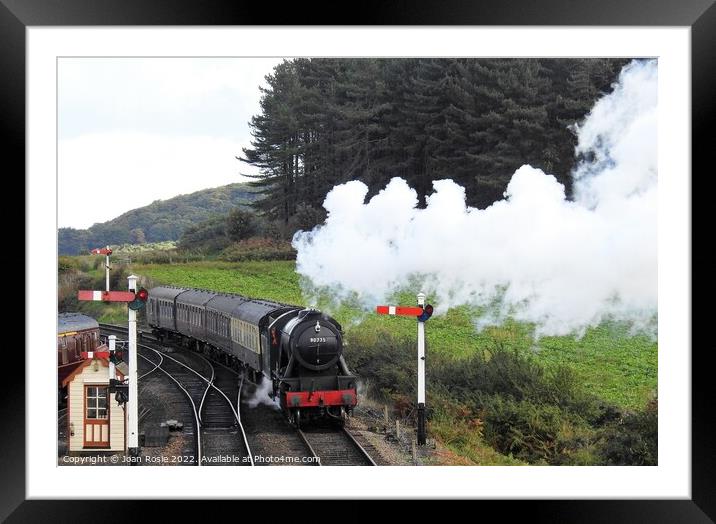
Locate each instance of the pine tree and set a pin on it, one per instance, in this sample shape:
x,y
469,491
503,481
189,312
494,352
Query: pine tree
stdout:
x,y
327,121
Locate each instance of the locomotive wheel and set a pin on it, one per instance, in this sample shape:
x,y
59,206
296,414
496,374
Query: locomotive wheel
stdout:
x,y
340,419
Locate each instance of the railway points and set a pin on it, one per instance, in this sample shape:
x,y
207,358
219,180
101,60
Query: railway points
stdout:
x,y
205,387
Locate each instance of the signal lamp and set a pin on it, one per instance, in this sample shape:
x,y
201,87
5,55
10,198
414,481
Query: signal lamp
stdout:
x,y
121,396
140,299
427,313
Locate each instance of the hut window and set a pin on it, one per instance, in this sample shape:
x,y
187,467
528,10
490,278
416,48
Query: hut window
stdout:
x,y
96,402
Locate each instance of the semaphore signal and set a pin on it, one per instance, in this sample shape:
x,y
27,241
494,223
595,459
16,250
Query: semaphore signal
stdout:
x,y
423,312
106,251
403,311
135,299
106,296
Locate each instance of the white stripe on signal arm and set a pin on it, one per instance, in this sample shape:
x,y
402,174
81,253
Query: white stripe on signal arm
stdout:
x,y
391,310
96,295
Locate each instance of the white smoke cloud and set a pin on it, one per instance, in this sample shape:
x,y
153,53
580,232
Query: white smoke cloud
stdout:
x,y
535,256
261,396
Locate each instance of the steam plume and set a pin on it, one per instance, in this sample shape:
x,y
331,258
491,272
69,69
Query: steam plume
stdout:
x,y
535,256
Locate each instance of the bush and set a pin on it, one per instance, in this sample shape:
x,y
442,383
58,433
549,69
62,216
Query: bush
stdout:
x,y
517,376
306,217
67,264
537,433
258,249
387,361
503,396
207,236
276,230
170,256
633,439
241,224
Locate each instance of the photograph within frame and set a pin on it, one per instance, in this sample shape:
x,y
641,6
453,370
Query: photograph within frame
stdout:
x,y
698,59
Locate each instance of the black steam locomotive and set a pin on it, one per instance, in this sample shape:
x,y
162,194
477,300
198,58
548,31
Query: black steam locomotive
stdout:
x,y
298,349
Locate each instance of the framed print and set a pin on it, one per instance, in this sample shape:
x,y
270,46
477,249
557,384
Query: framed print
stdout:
x,y
520,182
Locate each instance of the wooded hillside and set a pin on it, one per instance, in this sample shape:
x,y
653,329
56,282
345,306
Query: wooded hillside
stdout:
x,y
327,121
161,220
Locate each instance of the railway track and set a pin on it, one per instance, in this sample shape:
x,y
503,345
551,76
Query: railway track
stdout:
x,y
210,400
335,447
175,402
272,435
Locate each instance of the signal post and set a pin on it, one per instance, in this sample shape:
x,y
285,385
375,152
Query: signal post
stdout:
x,y
423,312
133,402
126,393
106,251
421,373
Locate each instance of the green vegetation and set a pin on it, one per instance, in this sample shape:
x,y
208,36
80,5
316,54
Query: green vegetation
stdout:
x,y
159,221
325,121
514,403
123,249
271,280
258,249
618,367
497,397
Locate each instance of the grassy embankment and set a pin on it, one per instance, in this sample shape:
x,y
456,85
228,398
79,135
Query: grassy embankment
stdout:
x,y
618,367
527,395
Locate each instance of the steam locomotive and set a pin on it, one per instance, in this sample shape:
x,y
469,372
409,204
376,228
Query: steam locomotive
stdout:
x,y
299,349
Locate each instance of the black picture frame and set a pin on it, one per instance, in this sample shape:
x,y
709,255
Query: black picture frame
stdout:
x,y
699,15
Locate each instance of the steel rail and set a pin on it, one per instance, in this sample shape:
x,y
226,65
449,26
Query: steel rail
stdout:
x,y
365,454
310,448
210,384
191,400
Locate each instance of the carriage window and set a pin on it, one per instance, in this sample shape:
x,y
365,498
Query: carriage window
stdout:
x,y
96,402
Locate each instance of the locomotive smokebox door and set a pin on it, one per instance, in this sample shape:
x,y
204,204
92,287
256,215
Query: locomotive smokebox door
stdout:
x,y
316,346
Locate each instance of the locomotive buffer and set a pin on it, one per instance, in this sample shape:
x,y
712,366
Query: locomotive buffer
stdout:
x,y
423,312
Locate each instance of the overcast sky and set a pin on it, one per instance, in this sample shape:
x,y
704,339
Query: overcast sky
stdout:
x,y
134,130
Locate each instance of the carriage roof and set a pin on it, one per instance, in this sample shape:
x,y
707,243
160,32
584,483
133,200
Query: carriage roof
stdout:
x,y
254,310
226,303
166,292
195,297
67,322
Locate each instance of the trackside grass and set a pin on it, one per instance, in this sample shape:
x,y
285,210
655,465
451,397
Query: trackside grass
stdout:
x,y
496,396
616,366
